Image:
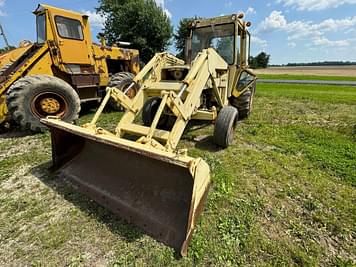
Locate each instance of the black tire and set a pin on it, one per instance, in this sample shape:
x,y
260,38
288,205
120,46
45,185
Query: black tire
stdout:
x,y
34,97
225,126
149,111
4,68
121,80
244,102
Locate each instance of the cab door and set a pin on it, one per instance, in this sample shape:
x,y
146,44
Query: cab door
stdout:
x,y
73,45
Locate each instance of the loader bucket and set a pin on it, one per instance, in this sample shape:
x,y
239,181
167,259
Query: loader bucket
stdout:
x,y
157,191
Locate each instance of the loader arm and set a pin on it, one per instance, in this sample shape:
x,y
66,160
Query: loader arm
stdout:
x,y
15,74
182,98
152,70
158,188
22,68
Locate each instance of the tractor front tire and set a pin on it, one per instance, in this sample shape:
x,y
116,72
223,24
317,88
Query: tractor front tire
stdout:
x,y
121,81
34,97
149,112
225,125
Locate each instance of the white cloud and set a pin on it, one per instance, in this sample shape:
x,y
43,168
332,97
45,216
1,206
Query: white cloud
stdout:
x,y
275,21
337,25
323,41
161,4
256,40
251,11
304,29
2,4
96,20
308,31
312,5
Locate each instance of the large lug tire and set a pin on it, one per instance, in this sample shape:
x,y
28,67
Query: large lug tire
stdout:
x,y
225,126
244,102
4,68
149,111
122,81
34,97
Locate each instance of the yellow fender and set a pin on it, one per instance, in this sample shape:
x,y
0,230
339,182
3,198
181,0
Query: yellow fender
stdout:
x,y
3,109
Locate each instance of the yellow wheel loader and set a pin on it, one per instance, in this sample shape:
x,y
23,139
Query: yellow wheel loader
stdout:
x,y
138,171
63,69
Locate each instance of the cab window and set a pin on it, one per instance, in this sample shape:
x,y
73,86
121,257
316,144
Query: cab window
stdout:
x,y
244,80
41,29
219,37
69,28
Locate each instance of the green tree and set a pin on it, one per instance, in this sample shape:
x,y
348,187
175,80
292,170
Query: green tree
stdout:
x,y
260,61
140,22
6,49
182,34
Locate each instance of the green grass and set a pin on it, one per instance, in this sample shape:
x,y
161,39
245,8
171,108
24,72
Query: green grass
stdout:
x,y
305,77
306,92
282,195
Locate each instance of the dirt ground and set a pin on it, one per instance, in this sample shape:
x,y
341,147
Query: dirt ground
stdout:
x,y
311,70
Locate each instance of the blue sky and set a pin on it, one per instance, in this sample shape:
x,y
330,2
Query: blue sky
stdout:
x,y
289,30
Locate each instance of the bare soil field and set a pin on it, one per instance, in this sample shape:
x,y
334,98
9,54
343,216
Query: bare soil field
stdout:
x,y
311,70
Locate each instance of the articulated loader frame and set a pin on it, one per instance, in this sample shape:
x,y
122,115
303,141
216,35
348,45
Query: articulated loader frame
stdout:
x,y
138,171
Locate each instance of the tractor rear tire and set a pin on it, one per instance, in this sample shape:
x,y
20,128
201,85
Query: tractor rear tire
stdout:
x,y
244,103
122,80
225,125
34,97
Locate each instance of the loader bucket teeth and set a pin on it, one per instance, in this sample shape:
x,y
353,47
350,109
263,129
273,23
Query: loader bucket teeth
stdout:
x,y
160,194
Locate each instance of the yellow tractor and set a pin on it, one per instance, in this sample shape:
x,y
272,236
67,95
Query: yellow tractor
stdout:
x,y
63,69
138,171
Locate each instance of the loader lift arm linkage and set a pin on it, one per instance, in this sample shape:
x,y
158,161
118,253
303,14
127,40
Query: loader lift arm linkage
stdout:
x,y
182,98
138,171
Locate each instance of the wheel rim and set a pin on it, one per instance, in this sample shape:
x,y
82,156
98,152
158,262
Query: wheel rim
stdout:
x,y
49,104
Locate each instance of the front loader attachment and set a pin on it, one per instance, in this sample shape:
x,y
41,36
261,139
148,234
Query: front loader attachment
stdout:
x,y
158,191
147,181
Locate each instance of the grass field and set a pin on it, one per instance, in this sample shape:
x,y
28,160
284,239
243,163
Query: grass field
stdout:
x,y
305,77
283,194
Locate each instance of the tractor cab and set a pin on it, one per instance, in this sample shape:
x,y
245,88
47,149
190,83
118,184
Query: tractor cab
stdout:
x,y
229,36
225,34
68,31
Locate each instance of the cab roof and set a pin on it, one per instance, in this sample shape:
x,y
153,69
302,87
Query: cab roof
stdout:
x,y
43,7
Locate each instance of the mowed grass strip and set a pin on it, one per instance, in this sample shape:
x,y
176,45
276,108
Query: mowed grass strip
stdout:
x,y
283,194
321,93
305,77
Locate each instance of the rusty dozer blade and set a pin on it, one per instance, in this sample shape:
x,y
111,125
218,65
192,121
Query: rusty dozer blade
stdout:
x,y
160,192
